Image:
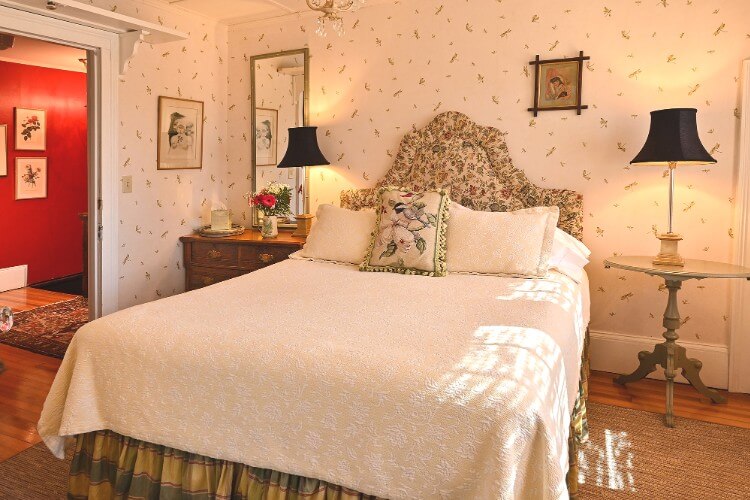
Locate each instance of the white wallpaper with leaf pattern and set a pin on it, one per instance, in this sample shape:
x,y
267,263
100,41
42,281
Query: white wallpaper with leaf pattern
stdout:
x,y
400,64
165,205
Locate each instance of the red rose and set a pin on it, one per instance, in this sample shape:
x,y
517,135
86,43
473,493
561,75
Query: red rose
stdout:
x,y
269,201
256,200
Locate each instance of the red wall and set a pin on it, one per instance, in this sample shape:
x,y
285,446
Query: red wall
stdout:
x,y
46,233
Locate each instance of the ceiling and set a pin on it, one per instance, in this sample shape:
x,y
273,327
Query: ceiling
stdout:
x,y
241,11
46,54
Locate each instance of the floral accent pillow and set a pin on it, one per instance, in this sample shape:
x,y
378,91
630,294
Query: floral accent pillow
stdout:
x,y
409,235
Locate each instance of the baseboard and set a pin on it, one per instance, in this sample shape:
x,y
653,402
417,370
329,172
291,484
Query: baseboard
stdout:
x,y
618,353
72,284
13,277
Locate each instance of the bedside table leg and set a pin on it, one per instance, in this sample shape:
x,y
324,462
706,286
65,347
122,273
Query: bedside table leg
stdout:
x,y
674,353
648,362
669,374
691,371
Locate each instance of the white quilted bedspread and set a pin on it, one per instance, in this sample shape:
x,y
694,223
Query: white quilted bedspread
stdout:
x,y
398,386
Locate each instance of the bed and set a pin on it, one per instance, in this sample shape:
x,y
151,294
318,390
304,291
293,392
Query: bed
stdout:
x,y
358,385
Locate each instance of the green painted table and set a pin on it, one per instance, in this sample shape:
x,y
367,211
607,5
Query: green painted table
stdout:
x,y
669,354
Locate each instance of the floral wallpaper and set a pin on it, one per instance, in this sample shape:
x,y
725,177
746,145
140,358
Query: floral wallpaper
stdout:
x,y
165,205
399,64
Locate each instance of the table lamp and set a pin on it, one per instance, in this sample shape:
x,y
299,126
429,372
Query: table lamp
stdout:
x,y
303,151
672,140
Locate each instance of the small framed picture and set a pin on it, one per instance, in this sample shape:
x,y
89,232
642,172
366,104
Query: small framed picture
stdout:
x,y
3,150
180,144
31,129
266,136
557,84
31,178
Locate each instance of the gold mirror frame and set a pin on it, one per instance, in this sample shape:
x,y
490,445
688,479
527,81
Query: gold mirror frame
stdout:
x,y
305,53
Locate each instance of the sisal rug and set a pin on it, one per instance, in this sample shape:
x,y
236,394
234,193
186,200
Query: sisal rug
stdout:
x,y
630,455
48,329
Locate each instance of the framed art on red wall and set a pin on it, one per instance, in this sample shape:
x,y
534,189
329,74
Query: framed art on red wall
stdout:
x,y
31,178
31,129
3,150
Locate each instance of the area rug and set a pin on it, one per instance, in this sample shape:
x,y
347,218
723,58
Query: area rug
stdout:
x,y
630,455
48,329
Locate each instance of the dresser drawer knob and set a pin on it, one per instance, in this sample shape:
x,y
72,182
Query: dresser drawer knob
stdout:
x,y
208,280
214,254
266,258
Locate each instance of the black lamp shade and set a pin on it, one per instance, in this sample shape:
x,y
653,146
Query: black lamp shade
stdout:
x,y
303,150
673,138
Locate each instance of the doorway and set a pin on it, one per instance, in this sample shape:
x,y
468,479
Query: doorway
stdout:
x,y
101,69
44,191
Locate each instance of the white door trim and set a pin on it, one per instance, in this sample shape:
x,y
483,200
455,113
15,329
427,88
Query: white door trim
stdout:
x,y
103,154
739,340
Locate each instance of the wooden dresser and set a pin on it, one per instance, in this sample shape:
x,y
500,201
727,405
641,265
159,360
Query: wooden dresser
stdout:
x,y
211,260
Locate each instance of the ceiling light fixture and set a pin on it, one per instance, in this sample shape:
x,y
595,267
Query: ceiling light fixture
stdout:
x,y
331,13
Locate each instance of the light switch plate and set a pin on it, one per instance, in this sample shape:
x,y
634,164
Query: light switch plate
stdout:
x,y
127,184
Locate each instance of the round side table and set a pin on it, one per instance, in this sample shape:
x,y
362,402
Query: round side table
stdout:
x,y
669,354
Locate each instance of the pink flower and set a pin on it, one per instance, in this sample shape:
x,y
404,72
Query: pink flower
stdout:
x,y
268,200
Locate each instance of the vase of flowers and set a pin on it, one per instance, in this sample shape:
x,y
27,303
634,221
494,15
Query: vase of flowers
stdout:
x,y
272,201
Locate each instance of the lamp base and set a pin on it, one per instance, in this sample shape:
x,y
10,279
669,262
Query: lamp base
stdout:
x,y
668,254
304,223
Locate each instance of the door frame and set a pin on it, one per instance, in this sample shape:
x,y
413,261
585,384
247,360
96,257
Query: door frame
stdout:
x,y
103,75
739,339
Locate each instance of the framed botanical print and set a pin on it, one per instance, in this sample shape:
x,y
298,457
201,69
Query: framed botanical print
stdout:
x,y
266,136
557,84
31,129
3,150
180,128
31,178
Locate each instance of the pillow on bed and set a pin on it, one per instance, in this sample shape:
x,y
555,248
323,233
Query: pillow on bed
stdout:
x,y
569,256
507,243
409,236
339,235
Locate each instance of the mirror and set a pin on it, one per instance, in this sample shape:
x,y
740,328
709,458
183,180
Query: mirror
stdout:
x,y
280,89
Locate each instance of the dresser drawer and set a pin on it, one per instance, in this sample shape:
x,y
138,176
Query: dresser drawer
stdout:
x,y
258,256
214,254
198,277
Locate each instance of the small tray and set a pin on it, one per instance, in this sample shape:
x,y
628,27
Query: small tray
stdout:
x,y
207,232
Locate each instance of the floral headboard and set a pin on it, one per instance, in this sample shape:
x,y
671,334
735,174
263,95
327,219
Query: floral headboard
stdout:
x,y
472,162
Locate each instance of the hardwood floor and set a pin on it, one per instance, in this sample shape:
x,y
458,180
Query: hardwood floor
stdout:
x,y
27,377
23,387
27,298
649,395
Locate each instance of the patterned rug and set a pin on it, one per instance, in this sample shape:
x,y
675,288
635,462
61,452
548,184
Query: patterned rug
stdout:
x,y
630,455
48,329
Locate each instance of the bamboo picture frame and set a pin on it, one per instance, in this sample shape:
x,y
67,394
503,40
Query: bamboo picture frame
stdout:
x,y
558,84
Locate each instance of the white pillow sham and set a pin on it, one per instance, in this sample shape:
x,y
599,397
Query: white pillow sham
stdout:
x,y
569,256
506,243
339,235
